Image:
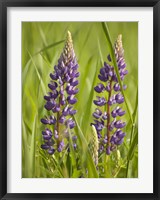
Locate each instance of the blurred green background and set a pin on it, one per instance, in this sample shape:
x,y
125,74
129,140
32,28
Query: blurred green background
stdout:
x,y
42,44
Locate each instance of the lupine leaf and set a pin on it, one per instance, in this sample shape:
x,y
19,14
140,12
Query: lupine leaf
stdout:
x,y
133,145
87,110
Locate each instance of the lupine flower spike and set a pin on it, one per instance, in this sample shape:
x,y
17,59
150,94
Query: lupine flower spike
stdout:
x,y
107,115
60,101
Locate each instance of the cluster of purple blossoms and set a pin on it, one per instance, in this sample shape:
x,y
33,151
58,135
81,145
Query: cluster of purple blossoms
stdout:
x,y
60,101
108,122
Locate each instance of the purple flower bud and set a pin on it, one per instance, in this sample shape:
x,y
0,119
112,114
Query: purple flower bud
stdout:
x,y
71,99
60,80
102,71
47,98
103,78
51,120
100,102
99,125
75,67
122,135
120,112
112,100
53,85
54,94
53,76
111,126
101,149
62,119
44,146
67,78
110,73
74,145
45,121
70,123
56,136
119,124
74,83
65,111
51,151
49,105
116,87
105,141
114,78
47,137
124,87
108,151
99,135
71,111
72,91
59,149
121,63
77,74
63,100
109,58
125,72
56,109
50,142
97,114
119,98
99,88
107,67
119,142
108,87
104,116
61,144
114,113
47,132
74,138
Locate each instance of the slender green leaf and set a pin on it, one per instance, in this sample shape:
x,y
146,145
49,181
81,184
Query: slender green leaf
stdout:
x,y
38,75
49,46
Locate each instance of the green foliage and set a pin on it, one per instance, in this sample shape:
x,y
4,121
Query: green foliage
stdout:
x,y
42,43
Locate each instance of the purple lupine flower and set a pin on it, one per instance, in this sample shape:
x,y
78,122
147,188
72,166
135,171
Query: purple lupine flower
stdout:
x,y
107,122
60,101
101,101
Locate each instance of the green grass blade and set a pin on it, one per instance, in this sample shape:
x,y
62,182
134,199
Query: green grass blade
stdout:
x,y
25,71
72,152
38,75
55,162
25,152
49,46
100,53
33,146
46,61
133,145
87,110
